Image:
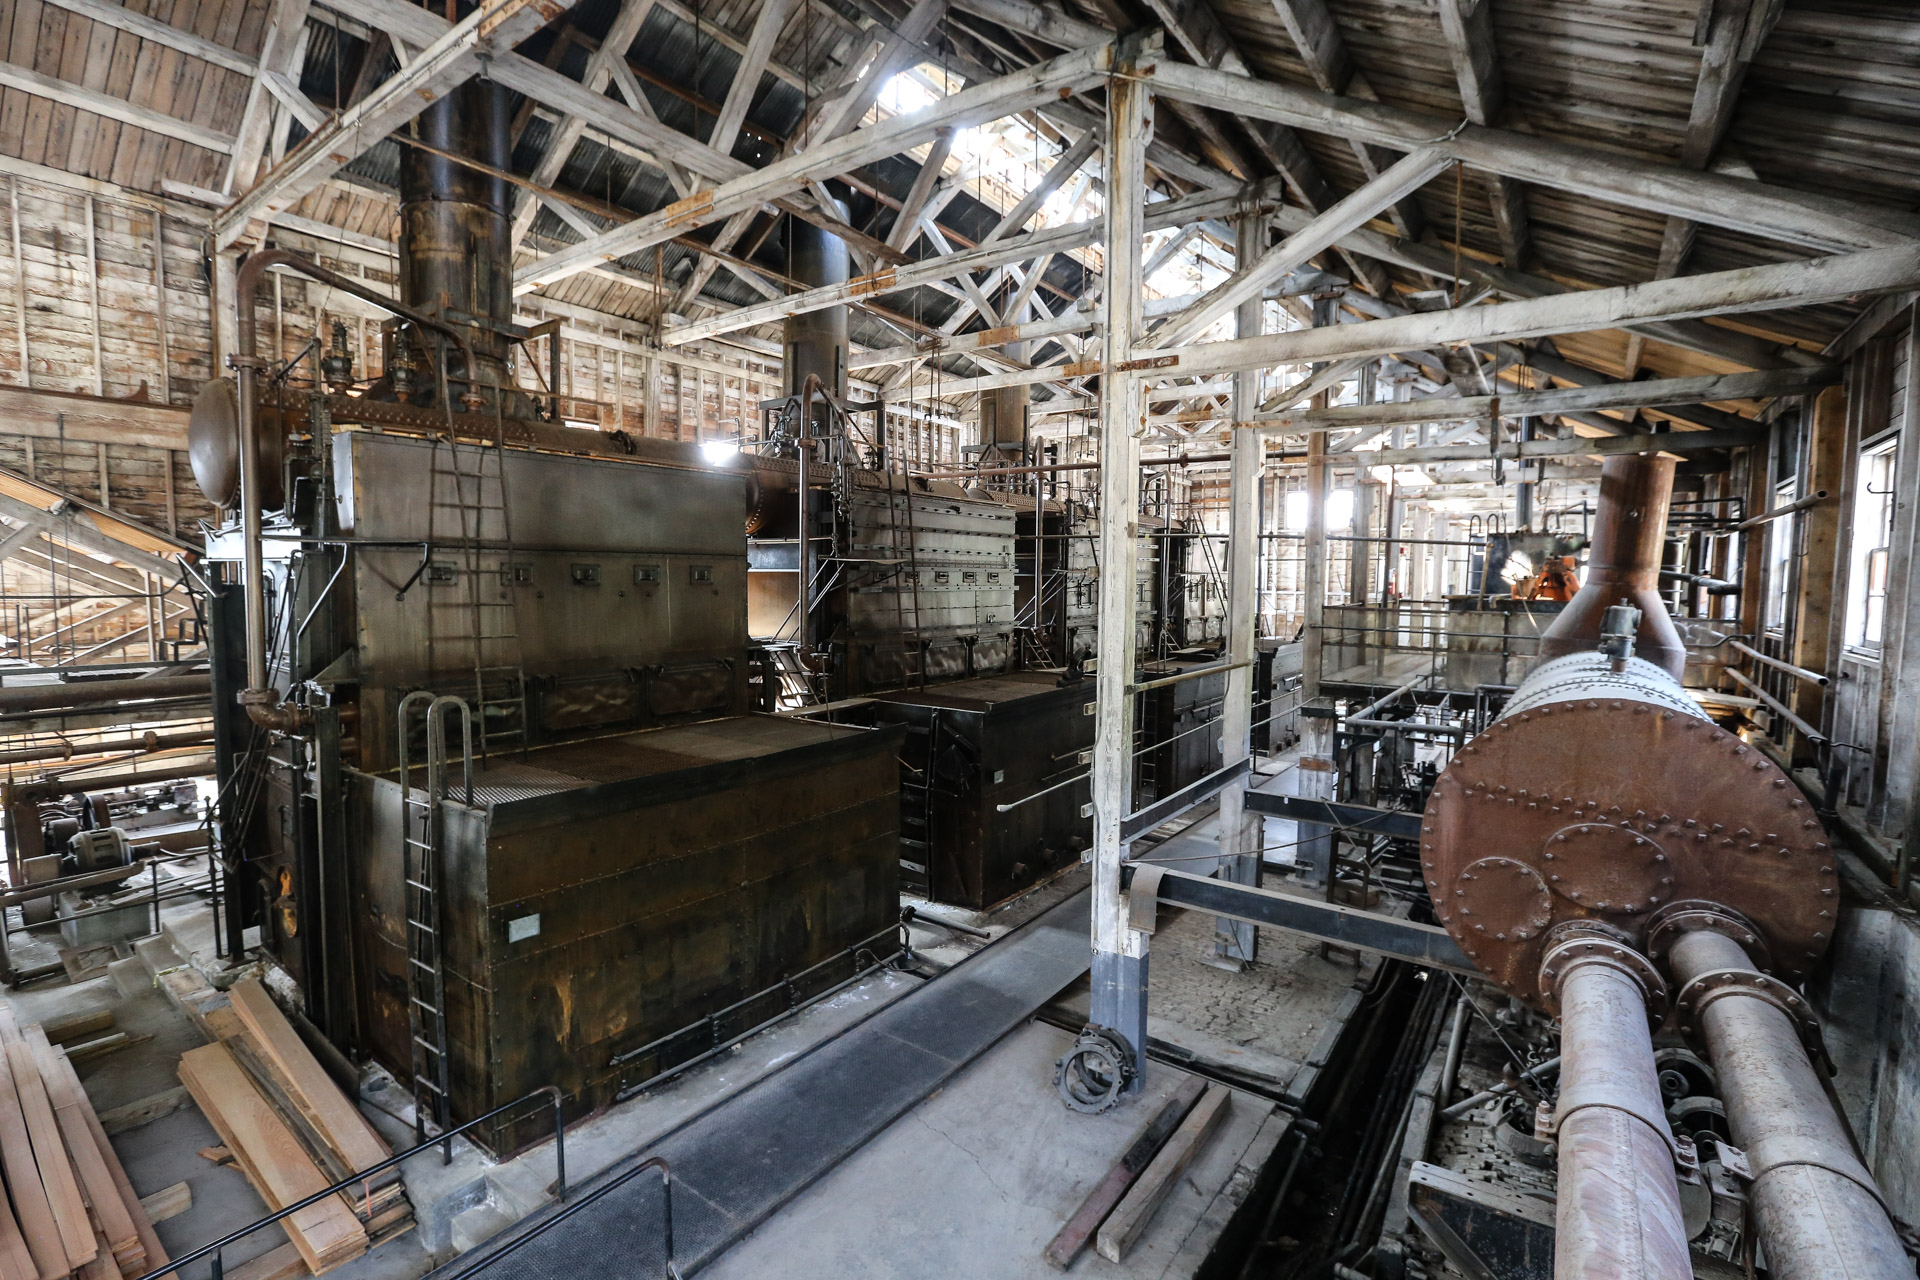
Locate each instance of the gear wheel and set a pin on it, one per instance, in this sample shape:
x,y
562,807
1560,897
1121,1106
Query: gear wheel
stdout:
x,y
1092,1076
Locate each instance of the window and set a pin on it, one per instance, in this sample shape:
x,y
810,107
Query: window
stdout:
x,y
1872,537
1339,510
1780,553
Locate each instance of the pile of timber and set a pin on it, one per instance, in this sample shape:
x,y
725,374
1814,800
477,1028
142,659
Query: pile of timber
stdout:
x,y
69,1209
1121,1206
293,1132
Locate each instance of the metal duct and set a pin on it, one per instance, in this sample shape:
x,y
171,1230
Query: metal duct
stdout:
x,y
1624,564
1003,417
456,230
816,342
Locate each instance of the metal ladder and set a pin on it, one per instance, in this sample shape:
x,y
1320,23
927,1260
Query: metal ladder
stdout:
x,y
906,570
464,621
916,806
422,854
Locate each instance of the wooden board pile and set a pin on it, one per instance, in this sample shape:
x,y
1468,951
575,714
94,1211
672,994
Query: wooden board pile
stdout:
x,y
292,1131
69,1209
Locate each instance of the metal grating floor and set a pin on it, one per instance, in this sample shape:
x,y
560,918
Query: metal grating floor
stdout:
x,y
737,1163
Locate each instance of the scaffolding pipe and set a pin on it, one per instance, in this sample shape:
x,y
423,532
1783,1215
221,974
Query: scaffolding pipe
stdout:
x,y
1818,1208
1617,1215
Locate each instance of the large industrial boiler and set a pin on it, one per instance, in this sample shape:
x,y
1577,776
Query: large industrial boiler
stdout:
x,y
1610,856
485,682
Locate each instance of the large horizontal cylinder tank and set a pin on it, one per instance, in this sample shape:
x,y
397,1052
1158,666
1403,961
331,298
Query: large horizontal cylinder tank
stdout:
x,y
1605,795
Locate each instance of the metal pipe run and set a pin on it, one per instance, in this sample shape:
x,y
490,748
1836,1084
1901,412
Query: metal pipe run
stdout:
x,y
1818,1208
148,741
1617,1216
1767,660
1779,708
1813,499
95,693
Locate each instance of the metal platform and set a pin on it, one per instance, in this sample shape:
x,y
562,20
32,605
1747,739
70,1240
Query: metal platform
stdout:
x,y
738,1162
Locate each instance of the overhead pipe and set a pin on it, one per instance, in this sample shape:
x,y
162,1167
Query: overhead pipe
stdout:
x,y
1617,1210
148,741
95,693
261,700
1819,1211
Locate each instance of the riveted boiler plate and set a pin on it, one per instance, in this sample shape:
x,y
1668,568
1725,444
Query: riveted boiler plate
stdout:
x,y
1609,868
1502,898
1730,825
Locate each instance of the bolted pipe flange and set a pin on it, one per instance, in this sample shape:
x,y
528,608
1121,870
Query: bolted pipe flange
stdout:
x,y
1692,914
1584,942
1717,984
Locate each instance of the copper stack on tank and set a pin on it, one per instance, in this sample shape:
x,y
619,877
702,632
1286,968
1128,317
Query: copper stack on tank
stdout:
x,y
1606,852
1623,564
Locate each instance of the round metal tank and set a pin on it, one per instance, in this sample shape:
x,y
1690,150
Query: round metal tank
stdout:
x,y
1607,795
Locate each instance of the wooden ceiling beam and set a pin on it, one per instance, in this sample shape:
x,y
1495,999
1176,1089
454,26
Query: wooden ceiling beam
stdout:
x,y
1324,52
441,67
1468,26
1802,218
1808,282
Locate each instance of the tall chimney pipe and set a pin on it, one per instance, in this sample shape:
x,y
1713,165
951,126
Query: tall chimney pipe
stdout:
x,y
1624,564
455,230
816,342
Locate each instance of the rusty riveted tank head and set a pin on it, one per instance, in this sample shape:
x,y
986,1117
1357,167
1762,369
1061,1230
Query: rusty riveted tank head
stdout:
x,y
1606,796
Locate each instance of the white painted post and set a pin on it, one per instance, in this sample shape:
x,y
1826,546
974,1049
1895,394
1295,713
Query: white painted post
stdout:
x,y
1314,773
1235,941
1119,976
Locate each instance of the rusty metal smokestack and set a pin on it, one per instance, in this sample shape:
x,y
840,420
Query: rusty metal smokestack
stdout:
x,y
456,232
1624,564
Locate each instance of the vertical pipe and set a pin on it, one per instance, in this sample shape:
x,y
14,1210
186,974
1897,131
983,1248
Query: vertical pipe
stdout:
x,y
1629,532
1617,1214
1816,1204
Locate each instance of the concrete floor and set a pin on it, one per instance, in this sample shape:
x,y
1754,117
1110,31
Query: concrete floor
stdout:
x,y
976,1179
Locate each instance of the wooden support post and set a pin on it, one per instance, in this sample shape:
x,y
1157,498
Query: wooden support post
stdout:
x,y
1818,624
93,311
173,515
106,493
165,387
1119,970
19,285
1235,941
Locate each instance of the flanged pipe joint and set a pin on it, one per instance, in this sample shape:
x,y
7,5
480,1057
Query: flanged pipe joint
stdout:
x,y
1818,1208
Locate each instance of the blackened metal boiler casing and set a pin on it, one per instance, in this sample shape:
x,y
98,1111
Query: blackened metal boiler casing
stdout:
x,y
603,894
972,746
1603,795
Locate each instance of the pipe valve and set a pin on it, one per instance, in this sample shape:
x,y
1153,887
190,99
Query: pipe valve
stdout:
x,y
1618,627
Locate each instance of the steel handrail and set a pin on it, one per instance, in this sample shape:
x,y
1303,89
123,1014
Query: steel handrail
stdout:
x,y
347,1183
666,1186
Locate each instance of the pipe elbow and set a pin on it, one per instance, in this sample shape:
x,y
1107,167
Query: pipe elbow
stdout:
x,y
265,709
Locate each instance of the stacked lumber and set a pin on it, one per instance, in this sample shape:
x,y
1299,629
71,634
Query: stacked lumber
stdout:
x,y
69,1208
291,1129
